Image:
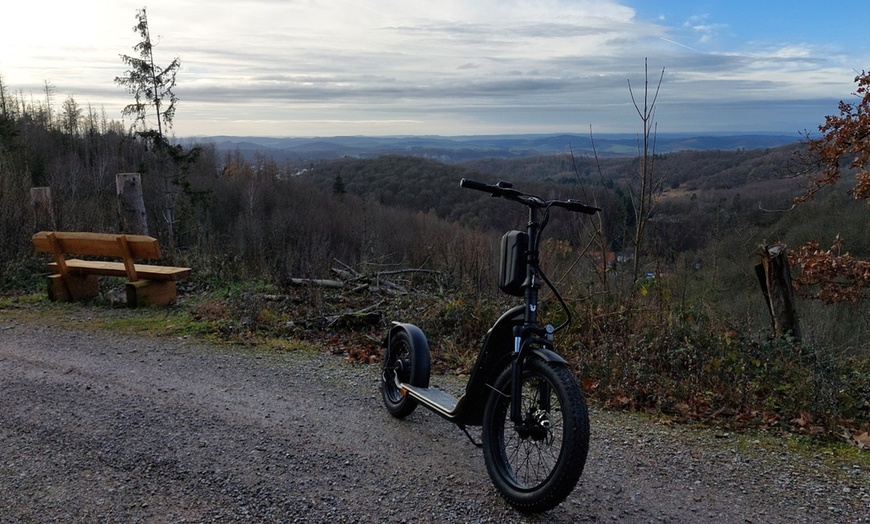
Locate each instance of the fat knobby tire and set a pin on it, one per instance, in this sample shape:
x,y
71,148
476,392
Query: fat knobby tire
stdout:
x,y
559,440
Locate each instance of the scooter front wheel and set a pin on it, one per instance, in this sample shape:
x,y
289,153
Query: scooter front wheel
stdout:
x,y
536,464
405,362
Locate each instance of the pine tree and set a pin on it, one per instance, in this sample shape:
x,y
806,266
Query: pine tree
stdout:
x,y
338,186
154,104
150,85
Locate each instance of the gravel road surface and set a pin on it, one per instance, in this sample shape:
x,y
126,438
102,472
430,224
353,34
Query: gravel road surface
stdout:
x,y
102,427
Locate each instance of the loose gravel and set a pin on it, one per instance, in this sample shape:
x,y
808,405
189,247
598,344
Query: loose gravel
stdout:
x,y
102,427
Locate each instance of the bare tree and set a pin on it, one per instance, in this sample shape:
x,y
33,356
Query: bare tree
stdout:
x,y
597,240
49,90
4,111
643,195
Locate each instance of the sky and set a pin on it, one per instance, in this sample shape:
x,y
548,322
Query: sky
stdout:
x,y
452,67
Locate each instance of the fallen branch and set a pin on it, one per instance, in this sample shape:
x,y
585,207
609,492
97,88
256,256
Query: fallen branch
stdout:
x,y
336,284
374,284
367,316
400,271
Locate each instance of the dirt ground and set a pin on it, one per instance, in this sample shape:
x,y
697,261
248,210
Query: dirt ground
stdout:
x,y
102,427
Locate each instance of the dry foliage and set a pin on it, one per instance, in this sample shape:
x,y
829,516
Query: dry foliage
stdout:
x,y
845,143
831,275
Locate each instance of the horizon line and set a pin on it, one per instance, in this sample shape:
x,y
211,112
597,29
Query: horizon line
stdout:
x,y
555,133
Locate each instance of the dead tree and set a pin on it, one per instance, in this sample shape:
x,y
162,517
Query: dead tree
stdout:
x,y
775,279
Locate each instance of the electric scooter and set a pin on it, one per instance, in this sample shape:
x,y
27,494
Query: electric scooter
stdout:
x,y
535,425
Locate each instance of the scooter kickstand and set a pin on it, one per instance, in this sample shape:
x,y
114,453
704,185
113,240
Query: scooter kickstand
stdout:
x,y
467,434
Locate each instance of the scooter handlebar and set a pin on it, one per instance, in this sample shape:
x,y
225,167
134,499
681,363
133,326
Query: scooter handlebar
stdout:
x,y
505,189
579,207
478,186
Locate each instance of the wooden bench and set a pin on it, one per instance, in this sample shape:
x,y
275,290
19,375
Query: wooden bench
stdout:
x,y
76,279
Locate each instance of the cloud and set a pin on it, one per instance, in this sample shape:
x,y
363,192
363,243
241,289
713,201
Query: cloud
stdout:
x,y
705,31
280,66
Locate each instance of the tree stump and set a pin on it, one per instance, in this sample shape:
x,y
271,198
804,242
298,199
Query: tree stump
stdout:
x,y
775,279
43,212
131,204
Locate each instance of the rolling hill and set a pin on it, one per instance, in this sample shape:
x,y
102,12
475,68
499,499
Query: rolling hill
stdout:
x,y
453,149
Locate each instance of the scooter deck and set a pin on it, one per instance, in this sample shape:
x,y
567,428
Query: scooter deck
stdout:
x,y
433,397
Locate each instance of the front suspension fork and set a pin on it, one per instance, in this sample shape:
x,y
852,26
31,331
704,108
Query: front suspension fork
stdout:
x,y
523,345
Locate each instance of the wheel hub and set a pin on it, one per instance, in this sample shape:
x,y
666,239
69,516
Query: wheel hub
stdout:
x,y
536,426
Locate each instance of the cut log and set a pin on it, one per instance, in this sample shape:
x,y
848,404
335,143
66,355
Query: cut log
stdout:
x,y
337,284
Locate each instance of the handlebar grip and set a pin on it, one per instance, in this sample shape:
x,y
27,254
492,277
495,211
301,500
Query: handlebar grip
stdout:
x,y
471,184
573,205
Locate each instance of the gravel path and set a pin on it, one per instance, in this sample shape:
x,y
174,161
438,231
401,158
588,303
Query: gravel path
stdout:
x,y
99,427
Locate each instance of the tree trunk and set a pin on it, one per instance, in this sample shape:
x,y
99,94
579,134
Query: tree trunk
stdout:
x,y
131,204
775,278
43,212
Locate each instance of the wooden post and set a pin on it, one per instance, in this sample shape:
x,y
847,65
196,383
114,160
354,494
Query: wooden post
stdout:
x,y
775,279
131,204
43,211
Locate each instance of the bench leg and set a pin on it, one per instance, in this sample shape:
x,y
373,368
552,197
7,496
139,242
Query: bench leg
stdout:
x,y
74,287
151,293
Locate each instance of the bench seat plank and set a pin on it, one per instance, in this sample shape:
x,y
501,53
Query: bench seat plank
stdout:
x,y
97,244
117,269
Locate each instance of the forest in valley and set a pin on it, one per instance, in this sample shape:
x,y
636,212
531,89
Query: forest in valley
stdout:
x,y
669,318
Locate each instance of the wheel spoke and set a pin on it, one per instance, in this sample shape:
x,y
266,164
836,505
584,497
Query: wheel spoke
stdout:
x,y
537,462
534,456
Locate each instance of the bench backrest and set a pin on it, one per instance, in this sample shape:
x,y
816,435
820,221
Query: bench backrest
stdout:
x,y
97,244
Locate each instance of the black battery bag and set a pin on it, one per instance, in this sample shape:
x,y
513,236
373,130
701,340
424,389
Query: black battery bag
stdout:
x,y
512,273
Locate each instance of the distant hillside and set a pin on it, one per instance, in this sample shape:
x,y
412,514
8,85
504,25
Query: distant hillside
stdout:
x,y
689,169
694,184
452,149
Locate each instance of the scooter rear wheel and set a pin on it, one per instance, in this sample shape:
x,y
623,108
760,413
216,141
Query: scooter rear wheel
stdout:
x,y
407,363
536,464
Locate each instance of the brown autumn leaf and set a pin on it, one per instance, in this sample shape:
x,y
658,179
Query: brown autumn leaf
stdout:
x,y
618,401
589,384
862,440
805,419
